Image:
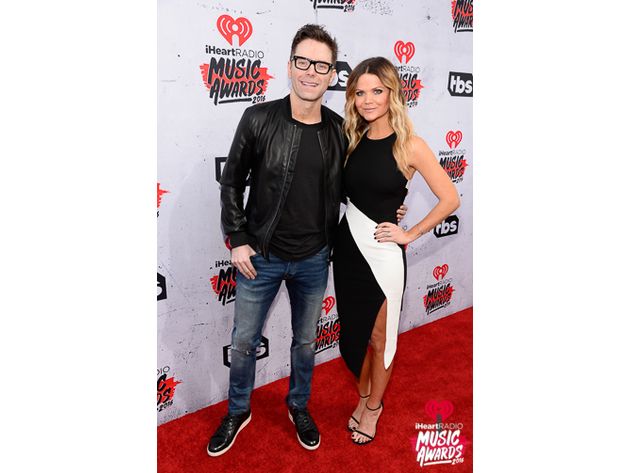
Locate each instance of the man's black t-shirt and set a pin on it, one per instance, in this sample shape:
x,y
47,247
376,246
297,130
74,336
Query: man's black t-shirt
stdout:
x,y
300,231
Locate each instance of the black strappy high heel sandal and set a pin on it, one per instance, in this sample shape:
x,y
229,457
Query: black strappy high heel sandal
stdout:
x,y
370,437
352,428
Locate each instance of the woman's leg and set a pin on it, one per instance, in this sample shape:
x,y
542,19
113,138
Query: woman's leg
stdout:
x,y
379,378
363,386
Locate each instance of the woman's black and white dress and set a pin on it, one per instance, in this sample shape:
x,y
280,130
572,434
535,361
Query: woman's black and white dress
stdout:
x,y
367,272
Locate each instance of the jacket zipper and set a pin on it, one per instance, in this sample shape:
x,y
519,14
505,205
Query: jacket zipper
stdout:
x,y
286,172
321,147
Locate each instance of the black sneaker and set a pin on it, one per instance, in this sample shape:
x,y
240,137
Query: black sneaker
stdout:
x,y
307,432
225,435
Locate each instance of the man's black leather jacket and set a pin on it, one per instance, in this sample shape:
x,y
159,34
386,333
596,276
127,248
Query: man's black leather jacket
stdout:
x,y
266,144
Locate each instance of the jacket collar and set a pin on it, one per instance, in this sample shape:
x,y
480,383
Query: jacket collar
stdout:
x,y
286,109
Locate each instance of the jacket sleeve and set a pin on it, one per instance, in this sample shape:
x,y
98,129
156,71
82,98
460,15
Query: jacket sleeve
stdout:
x,y
233,178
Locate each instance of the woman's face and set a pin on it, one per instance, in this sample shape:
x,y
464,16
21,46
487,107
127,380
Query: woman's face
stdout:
x,y
371,98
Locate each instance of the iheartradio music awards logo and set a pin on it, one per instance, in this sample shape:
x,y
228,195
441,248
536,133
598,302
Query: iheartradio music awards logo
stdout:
x,y
160,192
165,388
224,283
235,74
343,5
453,160
439,294
226,240
328,328
462,13
411,85
440,442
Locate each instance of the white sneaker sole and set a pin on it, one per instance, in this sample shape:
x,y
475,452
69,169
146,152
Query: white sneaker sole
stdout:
x,y
243,425
299,440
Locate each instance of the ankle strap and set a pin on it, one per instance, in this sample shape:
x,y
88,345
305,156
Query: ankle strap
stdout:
x,y
375,409
364,397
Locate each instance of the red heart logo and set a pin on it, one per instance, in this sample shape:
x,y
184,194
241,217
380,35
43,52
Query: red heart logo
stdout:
x,y
440,271
453,138
328,304
404,49
228,27
442,408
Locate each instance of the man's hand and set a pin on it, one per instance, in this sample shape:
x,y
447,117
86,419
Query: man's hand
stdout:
x,y
241,260
401,212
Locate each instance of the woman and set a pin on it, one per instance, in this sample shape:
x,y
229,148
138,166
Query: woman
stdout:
x,y
369,262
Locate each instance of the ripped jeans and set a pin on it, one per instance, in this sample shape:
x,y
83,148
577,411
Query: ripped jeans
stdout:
x,y
306,282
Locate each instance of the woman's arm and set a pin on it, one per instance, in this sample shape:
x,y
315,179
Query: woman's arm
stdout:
x,y
424,161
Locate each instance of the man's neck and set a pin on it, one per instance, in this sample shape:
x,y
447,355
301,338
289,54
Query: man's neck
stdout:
x,y
305,112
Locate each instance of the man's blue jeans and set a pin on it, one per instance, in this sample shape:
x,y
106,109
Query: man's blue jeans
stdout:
x,y
306,282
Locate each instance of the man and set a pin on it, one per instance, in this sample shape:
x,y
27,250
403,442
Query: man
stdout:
x,y
294,149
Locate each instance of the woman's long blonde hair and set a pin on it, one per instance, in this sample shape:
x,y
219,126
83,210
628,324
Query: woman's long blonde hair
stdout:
x,y
355,126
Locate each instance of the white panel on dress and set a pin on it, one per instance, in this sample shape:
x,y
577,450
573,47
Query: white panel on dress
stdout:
x,y
386,262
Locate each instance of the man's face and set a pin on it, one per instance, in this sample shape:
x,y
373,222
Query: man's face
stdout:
x,y
309,85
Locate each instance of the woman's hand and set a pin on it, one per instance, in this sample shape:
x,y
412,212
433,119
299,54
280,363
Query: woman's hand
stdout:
x,y
389,232
401,212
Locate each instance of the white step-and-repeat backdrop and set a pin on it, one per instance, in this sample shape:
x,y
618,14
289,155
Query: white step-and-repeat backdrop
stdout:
x,y
215,58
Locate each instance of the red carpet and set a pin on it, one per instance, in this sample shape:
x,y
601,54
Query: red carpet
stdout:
x,y
433,362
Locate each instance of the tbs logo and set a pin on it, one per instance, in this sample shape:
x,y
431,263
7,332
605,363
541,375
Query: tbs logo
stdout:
x,y
161,286
341,79
460,84
219,164
261,352
447,227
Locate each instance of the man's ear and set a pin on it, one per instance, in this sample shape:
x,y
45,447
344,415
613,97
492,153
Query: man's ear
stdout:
x,y
332,77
